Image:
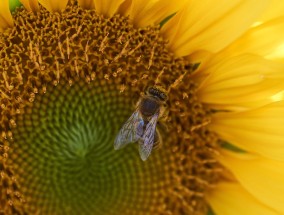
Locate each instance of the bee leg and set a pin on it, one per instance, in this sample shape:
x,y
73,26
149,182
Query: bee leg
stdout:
x,y
163,127
164,113
157,140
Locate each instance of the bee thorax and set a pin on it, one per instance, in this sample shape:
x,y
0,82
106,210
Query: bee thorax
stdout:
x,y
149,106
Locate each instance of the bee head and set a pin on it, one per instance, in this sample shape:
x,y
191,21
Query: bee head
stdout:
x,y
157,92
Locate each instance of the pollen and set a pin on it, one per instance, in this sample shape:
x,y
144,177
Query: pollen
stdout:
x,y
68,83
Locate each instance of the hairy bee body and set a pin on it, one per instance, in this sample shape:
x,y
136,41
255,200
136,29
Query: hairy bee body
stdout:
x,y
141,126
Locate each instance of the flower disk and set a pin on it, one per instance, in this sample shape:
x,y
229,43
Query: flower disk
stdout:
x,y
69,82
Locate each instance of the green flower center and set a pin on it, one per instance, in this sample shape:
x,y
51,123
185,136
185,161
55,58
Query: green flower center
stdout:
x,y
64,158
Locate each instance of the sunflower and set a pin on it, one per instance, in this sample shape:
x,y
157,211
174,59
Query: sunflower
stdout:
x,y
72,72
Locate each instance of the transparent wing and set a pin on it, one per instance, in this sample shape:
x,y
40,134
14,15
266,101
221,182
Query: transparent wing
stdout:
x,y
147,141
130,132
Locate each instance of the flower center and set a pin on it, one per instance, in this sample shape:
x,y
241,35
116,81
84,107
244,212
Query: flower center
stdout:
x,y
63,154
69,83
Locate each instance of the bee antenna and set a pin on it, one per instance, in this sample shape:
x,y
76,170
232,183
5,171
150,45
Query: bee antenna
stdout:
x,y
159,76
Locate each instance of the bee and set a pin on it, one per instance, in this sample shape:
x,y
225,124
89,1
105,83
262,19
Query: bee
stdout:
x,y
141,125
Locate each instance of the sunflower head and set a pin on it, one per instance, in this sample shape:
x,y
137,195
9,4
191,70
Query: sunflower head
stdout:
x,y
73,73
71,77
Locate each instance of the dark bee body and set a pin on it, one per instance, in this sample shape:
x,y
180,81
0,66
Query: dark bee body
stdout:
x,y
151,102
148,107
141,126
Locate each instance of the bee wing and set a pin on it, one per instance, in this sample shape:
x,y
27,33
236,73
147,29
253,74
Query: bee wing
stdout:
x,y
130,132
147,141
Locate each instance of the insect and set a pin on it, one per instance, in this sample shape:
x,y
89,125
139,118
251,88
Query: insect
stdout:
x,y
141,125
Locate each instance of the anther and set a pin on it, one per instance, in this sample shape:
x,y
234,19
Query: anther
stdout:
x,y
31,27
38,54
10,202
136,48
123,52
177,82
8,86
57,71
185,95
198,180
151,57
76,67
19,99
88,79
144,76
4,95
77,33
86,51
12,123
185,204
122,88
44,89
93,76
2,174
68,47
200,125
134,82
209,161
5,156
31,51
60,50
31,100
138,59
106,76
103,43
119,70
120,38
19,75
32,95
4,135
17,194
10,134
214,151
106,61
159,76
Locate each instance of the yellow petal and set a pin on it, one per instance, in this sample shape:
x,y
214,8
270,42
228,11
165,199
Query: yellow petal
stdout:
x,y
274,10
6,20
54,5
87,4
241,81
258,130
265,40
143,13
124,8
233,199
261,177
31,5
210,25
107,7
278,96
